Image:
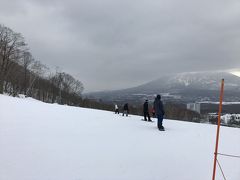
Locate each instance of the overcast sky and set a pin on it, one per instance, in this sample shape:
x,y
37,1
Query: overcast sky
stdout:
x,y
114,44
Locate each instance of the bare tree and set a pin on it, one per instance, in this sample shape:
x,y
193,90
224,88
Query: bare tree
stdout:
x,y
65,87
11,47
27,61
37,70
78,87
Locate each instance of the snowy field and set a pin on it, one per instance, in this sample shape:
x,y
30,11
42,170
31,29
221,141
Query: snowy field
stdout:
x,y
40,141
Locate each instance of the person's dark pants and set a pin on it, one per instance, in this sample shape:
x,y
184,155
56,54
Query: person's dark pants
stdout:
x,y
116,111
146,114
160,120
153,114
125,112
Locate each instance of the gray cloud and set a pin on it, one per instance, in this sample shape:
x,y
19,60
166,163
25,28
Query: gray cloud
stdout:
x,y
116,44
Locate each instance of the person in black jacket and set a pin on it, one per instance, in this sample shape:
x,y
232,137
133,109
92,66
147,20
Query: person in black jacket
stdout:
x,y
125,109
146,111
159,110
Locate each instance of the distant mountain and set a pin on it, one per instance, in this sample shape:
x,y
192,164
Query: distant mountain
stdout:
x,y
184,87
200,80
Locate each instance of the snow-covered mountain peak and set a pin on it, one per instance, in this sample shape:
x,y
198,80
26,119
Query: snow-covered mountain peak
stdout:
x,y
201,80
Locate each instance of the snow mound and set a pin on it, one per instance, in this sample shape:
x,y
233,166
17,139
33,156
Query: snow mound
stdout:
x,y
40,141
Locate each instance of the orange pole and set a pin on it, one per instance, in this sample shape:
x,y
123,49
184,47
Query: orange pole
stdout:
x,y
218,130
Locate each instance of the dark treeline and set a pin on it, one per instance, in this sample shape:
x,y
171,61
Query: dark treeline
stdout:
x,y
179,112
172,111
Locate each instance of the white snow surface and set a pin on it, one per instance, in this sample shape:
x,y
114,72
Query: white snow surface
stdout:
x,y
40,141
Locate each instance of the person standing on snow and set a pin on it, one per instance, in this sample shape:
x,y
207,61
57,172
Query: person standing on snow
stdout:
x,y
146,111
125,109
116,109
159,110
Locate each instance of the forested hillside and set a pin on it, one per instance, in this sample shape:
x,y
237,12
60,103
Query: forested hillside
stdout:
x,y
20,73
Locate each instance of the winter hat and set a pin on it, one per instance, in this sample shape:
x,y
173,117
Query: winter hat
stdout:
x,y
158,96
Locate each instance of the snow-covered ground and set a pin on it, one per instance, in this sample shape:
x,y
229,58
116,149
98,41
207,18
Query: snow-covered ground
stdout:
x,y
40,141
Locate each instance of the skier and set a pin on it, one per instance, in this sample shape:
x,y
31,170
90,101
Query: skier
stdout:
x,y
159,110
146,111
116,109
125,109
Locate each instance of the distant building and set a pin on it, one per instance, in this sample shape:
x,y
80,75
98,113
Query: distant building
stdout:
x,y
212,118
194,107
235,119
226,119
210,107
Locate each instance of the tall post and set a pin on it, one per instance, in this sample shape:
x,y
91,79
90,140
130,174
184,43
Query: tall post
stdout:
x,y
218,130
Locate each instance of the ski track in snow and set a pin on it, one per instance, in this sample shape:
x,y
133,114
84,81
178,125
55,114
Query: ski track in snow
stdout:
x,y
40,141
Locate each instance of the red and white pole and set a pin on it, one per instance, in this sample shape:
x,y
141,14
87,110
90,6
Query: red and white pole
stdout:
x,y
218,130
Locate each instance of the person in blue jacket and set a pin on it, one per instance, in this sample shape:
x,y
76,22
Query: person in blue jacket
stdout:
x,y
159,110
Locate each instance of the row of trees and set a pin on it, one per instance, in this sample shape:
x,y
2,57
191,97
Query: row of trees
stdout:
x,y
20,73
172,111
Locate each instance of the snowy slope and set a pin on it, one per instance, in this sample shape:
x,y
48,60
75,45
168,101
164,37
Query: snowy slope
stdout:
x,y
40,141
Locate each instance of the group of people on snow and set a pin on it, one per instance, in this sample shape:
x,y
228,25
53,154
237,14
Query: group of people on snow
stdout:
x,y
157,111
125,109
